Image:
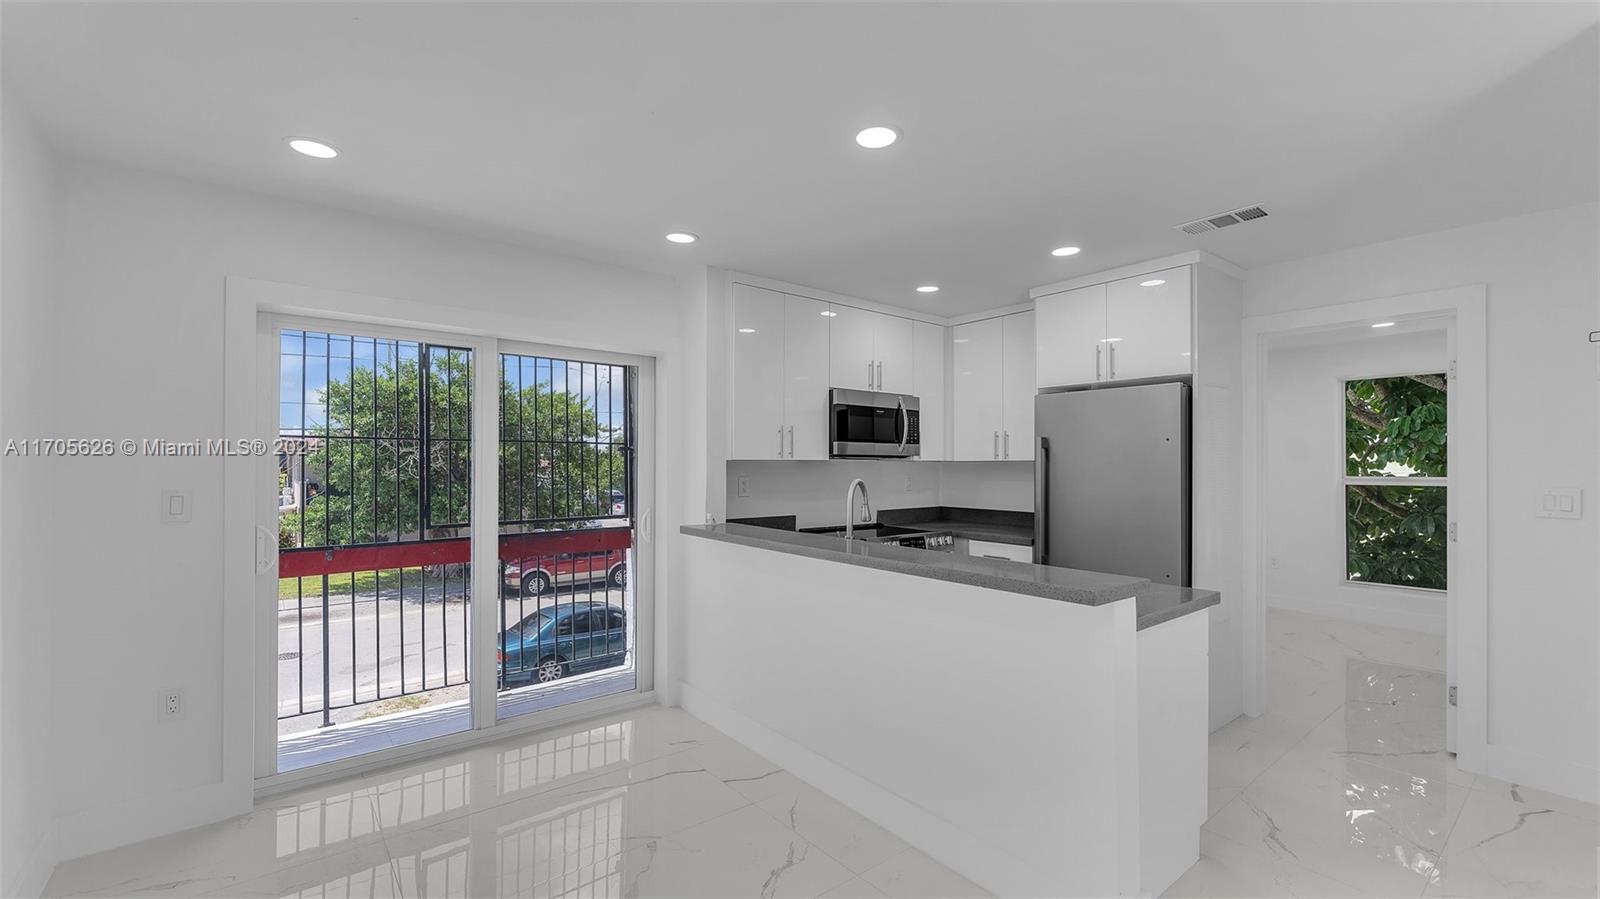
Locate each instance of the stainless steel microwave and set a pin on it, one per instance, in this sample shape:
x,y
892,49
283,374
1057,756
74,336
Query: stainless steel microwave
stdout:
x,y
865,424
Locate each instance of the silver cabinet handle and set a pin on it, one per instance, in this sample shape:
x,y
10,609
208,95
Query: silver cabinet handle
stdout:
x,y
1097,362
869,374
1008,444
791,441
997,444
880,375
1112,368
780,441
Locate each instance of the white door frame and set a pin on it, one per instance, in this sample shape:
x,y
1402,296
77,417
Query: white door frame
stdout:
x,y
1466,617
249,525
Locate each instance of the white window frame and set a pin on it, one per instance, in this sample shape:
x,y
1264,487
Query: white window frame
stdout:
x,y
1346,481
249,646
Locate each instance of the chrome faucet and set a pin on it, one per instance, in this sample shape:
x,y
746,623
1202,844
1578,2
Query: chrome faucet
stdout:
x,y
850,507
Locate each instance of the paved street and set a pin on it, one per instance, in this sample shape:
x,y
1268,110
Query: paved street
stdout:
x,y
384,639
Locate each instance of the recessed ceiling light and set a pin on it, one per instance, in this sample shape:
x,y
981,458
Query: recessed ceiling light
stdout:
x,y
928,288
877,137
747,330
316,149
1153,282
829,313
1064,251
1383,324
682,237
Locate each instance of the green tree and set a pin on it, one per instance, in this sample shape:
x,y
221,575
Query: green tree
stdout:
x,y
365,465
1396,426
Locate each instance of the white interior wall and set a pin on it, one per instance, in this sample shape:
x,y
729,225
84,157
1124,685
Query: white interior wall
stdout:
x,y
143,262
1304,494
1542,280
27,581
814,491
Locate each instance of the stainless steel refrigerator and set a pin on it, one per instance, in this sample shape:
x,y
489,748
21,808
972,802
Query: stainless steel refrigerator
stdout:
x,y
1111,480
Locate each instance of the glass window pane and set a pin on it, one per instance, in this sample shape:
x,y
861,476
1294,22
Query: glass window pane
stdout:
x,y
1396,535
1396,427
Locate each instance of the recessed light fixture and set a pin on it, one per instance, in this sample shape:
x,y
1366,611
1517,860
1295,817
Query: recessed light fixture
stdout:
x,y
316,149
682,237
877,137
928,288
1153,282
747,330
1065,251
828,313
1383,324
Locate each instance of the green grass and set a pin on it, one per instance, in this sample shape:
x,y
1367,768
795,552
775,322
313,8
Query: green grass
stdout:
x,y
339,584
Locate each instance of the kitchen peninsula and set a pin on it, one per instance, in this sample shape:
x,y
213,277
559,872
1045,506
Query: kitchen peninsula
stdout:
x,y
888,677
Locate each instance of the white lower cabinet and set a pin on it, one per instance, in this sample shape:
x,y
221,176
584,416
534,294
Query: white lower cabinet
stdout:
x,y
1011,552
991,412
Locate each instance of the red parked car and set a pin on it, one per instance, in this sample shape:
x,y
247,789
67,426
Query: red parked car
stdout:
x,y
539,575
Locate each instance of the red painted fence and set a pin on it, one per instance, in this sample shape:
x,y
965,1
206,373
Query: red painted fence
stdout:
x,y
451,551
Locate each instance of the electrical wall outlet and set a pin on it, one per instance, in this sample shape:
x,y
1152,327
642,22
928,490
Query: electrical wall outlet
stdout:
x,y
744,485
908,483
1272,562
170,705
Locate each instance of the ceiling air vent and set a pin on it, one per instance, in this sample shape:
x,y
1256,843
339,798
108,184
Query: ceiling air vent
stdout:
x,y
1214,222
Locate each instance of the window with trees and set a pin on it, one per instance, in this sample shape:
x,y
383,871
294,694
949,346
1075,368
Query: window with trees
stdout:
x,y
1395,480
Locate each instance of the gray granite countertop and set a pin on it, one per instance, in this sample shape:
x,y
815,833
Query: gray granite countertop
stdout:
x,y
1158,603
1063,584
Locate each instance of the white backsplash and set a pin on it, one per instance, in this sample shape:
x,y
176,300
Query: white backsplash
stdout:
x,y
814,492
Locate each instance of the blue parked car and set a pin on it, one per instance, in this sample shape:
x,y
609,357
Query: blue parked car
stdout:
x,y
564,639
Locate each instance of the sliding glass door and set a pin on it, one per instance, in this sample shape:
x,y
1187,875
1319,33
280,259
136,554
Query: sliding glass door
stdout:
x,y
375,612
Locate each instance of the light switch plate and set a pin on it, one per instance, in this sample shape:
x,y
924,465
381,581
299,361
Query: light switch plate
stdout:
x,y
177,506
1560,502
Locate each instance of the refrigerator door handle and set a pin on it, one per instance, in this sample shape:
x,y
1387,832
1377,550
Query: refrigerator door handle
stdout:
x,y
1041,502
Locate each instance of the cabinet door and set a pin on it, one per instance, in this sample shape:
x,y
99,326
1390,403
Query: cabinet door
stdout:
x,y
927,361
975,417
851,359
758,383
805,367
892,349
1069,328
1150,315
1018,385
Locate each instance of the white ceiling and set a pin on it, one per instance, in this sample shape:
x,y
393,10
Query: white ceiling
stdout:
x,y
594,129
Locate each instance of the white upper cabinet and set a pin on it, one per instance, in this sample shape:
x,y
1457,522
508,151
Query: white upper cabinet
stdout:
x,y
1130,328
1147,324
1017,385
892,343
927,361
869,350
758,374
805,371
1071,327
852,361
975,414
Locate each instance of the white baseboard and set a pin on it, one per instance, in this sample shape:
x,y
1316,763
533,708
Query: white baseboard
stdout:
x,y
30,878
991,868
1542,773
130,821
1425,622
